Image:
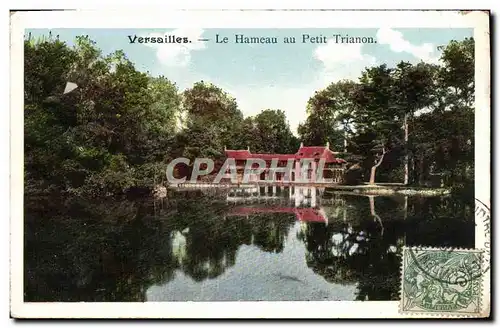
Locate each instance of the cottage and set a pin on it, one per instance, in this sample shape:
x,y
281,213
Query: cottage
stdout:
x,y
305,161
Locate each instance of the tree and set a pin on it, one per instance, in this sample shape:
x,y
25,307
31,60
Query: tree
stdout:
x,y
330,115
97,137
209,109
376,114
458,71
446,150
272,133
413,89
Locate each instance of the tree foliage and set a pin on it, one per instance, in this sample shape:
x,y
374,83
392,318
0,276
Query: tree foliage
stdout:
x,y
388,119
118,129
97,137
330,114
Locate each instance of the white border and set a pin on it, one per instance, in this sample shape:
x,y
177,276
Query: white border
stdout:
x,y
234,19
256,4
145,18
482,148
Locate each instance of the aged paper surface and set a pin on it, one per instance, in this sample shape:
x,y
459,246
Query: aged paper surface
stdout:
x,y
250,164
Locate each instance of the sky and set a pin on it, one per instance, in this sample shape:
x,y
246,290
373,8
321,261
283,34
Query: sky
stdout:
x,y
268,76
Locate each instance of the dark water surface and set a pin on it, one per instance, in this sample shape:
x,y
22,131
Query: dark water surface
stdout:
x,y
215,246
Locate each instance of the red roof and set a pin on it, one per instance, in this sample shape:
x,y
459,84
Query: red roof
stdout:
x,y
309,215
302,214
314,152
238,154
318,152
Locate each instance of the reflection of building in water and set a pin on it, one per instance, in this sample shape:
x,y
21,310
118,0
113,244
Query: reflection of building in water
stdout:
x,y
301,196
306,214
300,170
304,202
179,244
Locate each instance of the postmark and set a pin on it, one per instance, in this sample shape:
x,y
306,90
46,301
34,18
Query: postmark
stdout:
x,y
441,281
483,218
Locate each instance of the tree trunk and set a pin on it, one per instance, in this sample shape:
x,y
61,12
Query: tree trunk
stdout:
x,y
406,146
422,176
406,207
376,217
374,168
345,140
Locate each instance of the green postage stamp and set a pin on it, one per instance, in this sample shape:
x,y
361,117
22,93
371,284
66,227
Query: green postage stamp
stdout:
x,y
441,281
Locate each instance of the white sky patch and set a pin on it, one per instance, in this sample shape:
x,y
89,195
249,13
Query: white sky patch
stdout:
x,y
292,101
170,54
332,54
398,43
341,62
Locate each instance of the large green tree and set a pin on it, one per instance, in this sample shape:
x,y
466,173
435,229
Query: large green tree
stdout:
x,y
377,117
98,137
213,119
271,133
413,91
445,151
330,116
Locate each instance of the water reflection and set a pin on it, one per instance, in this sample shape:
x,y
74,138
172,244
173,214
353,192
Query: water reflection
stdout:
x,y
242,244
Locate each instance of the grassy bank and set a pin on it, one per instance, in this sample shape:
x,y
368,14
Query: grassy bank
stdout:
x,y
390,190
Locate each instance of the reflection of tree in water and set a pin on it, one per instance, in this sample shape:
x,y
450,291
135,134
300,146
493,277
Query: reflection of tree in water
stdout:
x,y
270,231
364,248
204,242
93,251
441,221
209,238
347,254
210,247
114,250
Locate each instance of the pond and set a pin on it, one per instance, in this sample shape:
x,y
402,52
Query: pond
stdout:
x,y
229,245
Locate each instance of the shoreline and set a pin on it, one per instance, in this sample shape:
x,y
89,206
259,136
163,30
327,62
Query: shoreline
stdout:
x,y
365,189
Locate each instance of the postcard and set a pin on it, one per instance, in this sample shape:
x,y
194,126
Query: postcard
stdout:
x,y
250,164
